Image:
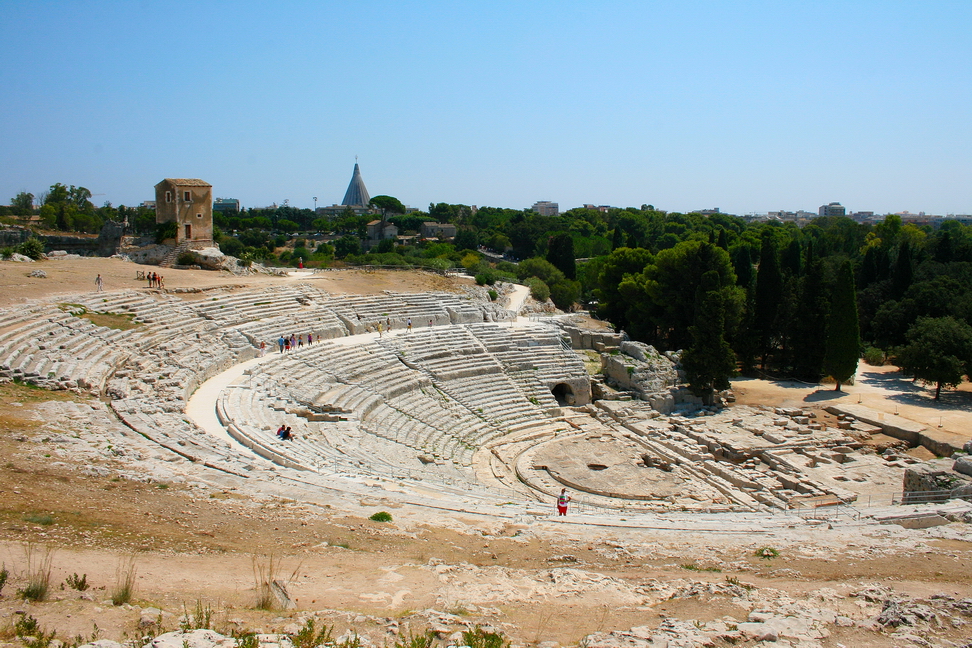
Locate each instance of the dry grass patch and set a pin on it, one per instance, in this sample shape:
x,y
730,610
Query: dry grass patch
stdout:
x,y
120,321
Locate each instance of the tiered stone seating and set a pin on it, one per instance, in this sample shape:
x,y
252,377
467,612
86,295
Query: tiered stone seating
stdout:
x,y
323,323
60,350
251,305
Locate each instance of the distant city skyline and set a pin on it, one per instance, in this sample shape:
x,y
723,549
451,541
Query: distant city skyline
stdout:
x,y
750,107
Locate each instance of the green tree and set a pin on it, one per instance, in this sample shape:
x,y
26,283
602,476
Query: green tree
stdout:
x,y
672,283
560,252
939,350
346,245
540,268
466,239
709,361
843,336
388,205
807,342
768,298
620,264
23,204
565,293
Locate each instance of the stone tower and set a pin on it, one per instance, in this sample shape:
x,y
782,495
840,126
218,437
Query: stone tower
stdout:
x,y
188,202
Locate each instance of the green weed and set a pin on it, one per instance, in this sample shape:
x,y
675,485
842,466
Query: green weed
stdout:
x,y
381,516
77,583
694,567
767,552
479,638
307,637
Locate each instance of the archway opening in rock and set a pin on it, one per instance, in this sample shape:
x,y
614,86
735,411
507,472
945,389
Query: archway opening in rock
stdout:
x,y
564,394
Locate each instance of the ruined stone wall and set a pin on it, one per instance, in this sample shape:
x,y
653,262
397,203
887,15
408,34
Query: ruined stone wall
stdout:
x,y
934,482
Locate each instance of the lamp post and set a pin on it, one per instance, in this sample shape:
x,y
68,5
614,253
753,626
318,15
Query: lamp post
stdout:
x,y
315,204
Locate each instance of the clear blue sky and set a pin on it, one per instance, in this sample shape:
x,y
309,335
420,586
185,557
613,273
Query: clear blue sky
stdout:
x,y
746,106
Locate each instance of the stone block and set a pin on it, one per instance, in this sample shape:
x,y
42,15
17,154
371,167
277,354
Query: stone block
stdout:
x,y
963,465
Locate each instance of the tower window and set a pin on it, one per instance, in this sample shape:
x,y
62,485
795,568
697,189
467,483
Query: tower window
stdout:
x,y
168,196
186,196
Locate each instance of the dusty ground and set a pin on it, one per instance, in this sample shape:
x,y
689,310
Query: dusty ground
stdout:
x,y
880,388
536,581
71,276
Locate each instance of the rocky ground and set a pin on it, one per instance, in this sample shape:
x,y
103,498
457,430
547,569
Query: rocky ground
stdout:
x,y
77,491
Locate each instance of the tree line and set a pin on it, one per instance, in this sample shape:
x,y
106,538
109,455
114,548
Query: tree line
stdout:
x,y
735,295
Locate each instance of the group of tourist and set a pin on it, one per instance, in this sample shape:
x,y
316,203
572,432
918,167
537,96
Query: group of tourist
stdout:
x,y
293,342
387,326
284,433
155,280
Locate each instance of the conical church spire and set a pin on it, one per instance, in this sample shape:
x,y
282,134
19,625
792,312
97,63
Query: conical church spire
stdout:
x,y
357,193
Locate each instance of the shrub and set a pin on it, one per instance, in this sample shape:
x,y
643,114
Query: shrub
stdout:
x,y
32,248
165,231
306,637
479,638
7,252
186,258
874,356
767,552
485,278
231,246
538,289
565,293
470,260
78,583
381,516
4,574
493,295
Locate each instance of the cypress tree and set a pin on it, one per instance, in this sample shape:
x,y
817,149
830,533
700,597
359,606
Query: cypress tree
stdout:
x,y
944,249
617,240
808,340
843,338
560,252
709,361
769,295
903,271
742,264
792,261
723,239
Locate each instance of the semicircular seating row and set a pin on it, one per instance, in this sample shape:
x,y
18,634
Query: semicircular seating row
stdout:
x,y
415,405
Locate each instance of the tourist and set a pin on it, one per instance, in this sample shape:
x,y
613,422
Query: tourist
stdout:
x,y
388,324
286,434
161,281
280,343
430,323
562,502
263,349
300,341
408,326
293,341
280,431
100,283
310,340
379,328
286,344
